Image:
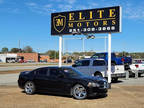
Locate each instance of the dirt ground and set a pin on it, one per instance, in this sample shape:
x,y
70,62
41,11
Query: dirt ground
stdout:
x,y
118,97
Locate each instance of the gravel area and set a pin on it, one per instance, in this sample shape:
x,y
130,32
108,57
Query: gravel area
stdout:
x,y
118,97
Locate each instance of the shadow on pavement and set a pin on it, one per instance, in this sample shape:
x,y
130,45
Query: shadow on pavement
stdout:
x,y
115,82
68,96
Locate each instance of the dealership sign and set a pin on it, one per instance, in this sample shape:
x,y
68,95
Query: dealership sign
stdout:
x,y
102,20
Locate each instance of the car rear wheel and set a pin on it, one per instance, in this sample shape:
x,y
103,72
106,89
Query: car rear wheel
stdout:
x,y
139,74
115,79
79,92
29,88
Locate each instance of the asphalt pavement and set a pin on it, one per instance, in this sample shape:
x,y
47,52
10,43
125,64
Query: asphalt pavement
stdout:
x,y
19,67
8,79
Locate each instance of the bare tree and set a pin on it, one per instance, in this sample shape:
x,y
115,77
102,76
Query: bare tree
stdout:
x,y
28,49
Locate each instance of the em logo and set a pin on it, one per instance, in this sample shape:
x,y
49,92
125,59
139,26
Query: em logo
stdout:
x,y
59,23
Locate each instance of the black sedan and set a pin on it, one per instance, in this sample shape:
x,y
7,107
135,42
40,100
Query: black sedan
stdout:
x,y
63,80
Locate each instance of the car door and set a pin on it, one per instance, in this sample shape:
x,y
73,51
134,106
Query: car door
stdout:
x,y
41,78
99,66
59,82
83,66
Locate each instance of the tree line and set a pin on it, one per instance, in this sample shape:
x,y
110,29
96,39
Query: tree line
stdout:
x,y
53,54
26,49
75,55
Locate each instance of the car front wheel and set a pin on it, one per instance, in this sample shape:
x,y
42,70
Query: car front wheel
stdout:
x,y
79,92
29,88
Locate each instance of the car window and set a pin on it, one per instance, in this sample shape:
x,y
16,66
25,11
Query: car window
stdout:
x,y
42,72
98,63
83,63
72,72
101,55
54,72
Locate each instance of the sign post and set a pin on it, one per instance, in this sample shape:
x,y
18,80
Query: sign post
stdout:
x,y
60,51
109,60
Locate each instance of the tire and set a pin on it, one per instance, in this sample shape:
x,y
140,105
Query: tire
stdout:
x,y
139,74
29,88
98,74
115,79
79,92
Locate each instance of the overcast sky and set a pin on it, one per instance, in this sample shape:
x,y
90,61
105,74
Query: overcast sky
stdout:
x,y
29,21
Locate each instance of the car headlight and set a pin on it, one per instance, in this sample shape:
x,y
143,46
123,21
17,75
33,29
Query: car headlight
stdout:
x,y
92,84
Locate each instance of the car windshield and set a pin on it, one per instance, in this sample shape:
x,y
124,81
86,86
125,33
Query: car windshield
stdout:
x,y
72,72
101,55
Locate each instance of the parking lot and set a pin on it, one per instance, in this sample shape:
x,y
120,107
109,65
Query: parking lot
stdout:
x,y
118,97
123,94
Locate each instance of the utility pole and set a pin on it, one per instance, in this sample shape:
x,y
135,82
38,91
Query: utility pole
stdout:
x,y
19,45
83,44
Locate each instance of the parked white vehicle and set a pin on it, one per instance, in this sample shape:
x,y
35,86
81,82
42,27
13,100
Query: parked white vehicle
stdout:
x,y
137,66
98,67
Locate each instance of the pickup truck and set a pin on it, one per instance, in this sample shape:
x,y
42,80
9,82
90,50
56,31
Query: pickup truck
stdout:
x,y
98,67
114,60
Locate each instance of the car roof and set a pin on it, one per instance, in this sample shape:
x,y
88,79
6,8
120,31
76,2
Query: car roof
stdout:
x,y
91,59
56,67
103,53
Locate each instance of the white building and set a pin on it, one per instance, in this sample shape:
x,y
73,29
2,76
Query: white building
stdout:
x,y
8,58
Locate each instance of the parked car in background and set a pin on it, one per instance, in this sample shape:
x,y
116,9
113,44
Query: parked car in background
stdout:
x,y
114,59
98,67
64,80
68,61
137,66
11,60
43,61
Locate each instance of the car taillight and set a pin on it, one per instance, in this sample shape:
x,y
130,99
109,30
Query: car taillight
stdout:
x,y
136,66
122,60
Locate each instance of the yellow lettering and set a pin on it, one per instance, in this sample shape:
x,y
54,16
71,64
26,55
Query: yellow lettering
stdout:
x,y
79,24
87,23
70,24
104,23
112,13
100,13
113,22
71,16
80,16
91,15
59,22
96,23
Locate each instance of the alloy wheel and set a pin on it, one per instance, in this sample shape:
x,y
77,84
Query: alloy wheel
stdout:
x,y
79,92
29,87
